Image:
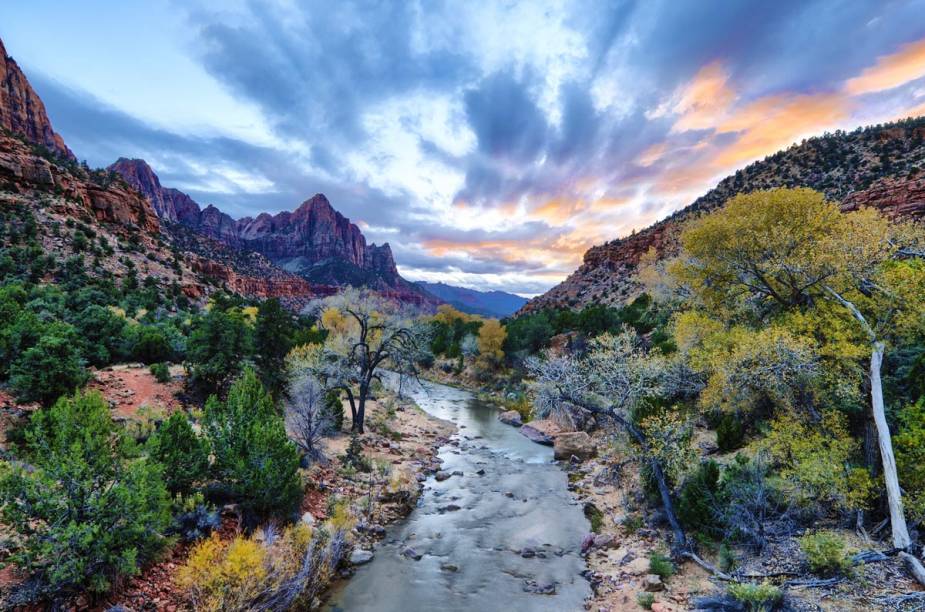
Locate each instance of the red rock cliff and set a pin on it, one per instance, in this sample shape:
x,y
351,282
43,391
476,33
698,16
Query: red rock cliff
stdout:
x,y
22,111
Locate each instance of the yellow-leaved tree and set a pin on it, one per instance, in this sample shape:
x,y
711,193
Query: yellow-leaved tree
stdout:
x,y
791,256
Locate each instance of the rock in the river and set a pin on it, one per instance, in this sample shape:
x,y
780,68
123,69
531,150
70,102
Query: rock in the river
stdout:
x,y
511,417
441,476
360,556
449,567
410,553
652,583
535,435
540,588
573,444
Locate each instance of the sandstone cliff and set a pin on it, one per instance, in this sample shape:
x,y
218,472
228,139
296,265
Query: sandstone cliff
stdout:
x,y
21,110
880,166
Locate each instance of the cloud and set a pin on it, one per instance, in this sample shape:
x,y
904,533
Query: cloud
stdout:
x,y
906,64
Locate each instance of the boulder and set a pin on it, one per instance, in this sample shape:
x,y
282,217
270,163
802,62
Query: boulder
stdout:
x,y
441,476
573,444
638,566
535,435
410,553
653,583
360,556
510,417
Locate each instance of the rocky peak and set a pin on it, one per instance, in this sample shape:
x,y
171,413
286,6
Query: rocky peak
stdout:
x,y
22,111
170,204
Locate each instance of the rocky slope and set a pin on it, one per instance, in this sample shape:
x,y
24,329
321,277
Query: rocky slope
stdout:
x,y
21,110
881,166
314,241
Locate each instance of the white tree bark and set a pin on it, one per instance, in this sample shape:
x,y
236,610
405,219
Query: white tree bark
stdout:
x,y
894,495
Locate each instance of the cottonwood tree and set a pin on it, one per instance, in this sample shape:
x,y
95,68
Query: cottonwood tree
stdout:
x,y
366,333
790,250
611,380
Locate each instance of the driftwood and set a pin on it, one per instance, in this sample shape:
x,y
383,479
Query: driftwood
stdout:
x,y
915,567
813,583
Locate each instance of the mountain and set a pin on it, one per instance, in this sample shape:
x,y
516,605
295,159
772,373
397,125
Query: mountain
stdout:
x,y
22,111
314,241
497,304
881,166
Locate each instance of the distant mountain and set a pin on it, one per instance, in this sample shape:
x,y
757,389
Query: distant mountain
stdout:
x,y
881,166
497,304
314,241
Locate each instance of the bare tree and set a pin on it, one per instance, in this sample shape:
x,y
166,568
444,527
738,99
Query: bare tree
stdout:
x,y
610,380
307,419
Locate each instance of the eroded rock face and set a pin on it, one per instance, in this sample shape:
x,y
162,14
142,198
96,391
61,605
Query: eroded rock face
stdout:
x,y
89,196
22,111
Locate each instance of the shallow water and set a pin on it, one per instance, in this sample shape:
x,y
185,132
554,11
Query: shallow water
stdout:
x,y
521,502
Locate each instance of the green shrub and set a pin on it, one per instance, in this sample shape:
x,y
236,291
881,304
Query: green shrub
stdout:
x,y
697,499
763,597
184,455
217,346
253,455
826,553
594,516
161,372
48,370
354,458
91,510
661,566
730,433
334,410
645,600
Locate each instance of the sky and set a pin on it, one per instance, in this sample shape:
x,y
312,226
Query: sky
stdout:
x,y
490,143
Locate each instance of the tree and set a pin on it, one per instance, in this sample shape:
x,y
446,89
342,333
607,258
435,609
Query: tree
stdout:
x,y
182,453
218,346
89,509
365,332
491,341
50,369
99,330
253,455
308,416
273,332
611,381
788,250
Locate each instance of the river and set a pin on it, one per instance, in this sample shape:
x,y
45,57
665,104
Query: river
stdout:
x,y
513,543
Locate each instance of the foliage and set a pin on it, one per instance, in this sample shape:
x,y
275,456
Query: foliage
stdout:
x,y
490,342
730,432
334,410
91,509
275,571
826,553
253,455
161,372
910,455
193,518
699,498
814,459
645,600
354,458
49,369
273,336
749,508
763,597
184,455
661,566
450,328
218,344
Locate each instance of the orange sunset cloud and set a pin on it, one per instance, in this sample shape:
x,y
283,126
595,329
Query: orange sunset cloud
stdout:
x,y
907,64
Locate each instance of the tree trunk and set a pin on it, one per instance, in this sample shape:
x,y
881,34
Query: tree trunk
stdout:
x,y
680,541
353,410
361,411
894,495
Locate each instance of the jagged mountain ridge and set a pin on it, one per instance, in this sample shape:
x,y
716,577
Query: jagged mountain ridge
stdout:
x,y
498,304
881,166
314,241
